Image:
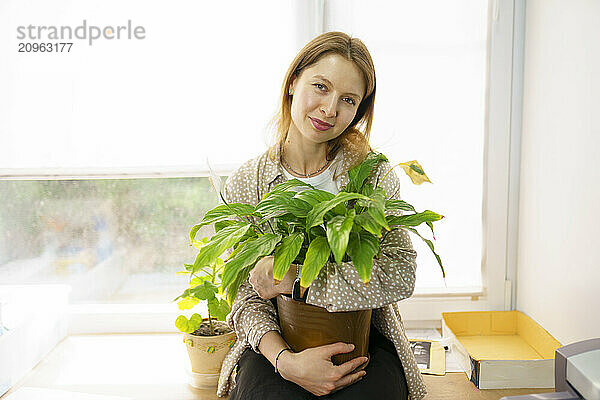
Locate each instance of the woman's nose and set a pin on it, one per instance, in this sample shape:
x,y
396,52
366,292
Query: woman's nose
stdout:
x,y
329,107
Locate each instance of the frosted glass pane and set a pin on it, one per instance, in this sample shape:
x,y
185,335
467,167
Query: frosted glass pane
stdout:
x,y
430,60
112,241
204,82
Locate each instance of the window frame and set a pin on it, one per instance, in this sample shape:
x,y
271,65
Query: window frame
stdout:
x,y
504,92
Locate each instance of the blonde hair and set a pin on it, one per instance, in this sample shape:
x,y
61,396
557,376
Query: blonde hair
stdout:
x,y
356,136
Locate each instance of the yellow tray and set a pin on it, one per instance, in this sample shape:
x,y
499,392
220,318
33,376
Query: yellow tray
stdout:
x,y
502,349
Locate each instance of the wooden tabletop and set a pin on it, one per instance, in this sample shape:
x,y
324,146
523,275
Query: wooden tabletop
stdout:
x,y
152,367
456,386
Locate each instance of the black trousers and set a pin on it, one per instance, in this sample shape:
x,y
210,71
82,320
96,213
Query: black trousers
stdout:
x,y
256,378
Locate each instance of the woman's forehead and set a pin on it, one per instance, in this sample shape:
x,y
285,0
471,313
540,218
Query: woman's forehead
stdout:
x,y
343,74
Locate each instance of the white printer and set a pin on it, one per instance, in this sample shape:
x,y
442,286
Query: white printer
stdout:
x,y
576,373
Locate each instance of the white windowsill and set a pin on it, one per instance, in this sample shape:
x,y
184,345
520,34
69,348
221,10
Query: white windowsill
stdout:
x,y
423,310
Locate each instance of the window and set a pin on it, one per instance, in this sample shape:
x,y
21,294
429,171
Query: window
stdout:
x,y
103,150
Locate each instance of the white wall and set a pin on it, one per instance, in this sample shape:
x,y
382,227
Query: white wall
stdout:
x,y
559,215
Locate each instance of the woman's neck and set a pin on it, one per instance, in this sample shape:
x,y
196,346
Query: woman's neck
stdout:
x,y
304,158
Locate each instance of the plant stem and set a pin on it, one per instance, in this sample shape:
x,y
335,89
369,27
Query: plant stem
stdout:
x,y
386,174
210,325
212,280
270,226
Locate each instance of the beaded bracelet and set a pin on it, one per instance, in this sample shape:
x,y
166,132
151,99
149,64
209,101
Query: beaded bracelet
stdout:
x,y
277,358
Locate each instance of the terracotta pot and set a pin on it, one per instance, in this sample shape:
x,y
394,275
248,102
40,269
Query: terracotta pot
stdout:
x,y
206,356
304,326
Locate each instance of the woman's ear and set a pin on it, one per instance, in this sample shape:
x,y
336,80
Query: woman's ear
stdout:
x,y
292,85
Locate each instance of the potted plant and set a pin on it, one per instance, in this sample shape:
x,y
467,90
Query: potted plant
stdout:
x,y
309,228
207,339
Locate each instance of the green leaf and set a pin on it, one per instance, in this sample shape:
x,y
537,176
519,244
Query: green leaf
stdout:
x,y
430,225
196,320
377,207
235,285
188,326
187,302
286,253
218,309
394,204
338,232
238,248
292,183
318,231
314,196
200,243
367,189
222,224
220,242
218,263
362,247
368,223
198,280
220,213
274,205
413,219
358,174
430,244
263,246
206,291
316,256
299,208
315,216
182,324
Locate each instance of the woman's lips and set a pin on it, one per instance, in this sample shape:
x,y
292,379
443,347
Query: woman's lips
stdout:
x,y
320,125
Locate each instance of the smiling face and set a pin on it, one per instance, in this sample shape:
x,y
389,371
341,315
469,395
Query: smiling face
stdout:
x,y
325,99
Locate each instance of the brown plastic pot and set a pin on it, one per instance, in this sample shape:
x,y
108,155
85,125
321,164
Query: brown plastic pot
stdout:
x,y
304,326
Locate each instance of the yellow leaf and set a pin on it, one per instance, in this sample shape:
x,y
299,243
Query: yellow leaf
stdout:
x,y
187,302
415,172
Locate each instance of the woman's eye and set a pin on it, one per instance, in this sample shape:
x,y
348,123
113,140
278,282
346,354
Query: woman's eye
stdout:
x,y
319,86
349,101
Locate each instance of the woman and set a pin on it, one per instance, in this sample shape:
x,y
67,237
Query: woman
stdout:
x,y
323,131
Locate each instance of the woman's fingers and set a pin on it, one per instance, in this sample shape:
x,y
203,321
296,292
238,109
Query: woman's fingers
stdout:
x,y
322,377
349,380
349,366
337,348
261,278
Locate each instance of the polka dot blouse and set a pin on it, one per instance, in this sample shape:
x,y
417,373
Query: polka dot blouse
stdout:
x,y
337,287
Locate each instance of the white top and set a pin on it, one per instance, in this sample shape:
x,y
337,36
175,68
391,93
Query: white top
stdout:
x,y
323,181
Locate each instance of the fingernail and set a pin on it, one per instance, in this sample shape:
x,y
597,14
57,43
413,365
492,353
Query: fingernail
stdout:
x,y
351,346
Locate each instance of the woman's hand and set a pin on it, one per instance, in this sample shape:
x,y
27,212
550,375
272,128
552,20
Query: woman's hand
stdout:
x,y
261,279
313,370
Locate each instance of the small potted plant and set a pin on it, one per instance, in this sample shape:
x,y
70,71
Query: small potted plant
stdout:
x,y
207,339
310,228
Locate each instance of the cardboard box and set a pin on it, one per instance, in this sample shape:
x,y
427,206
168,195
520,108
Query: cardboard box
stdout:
x,y
501,349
